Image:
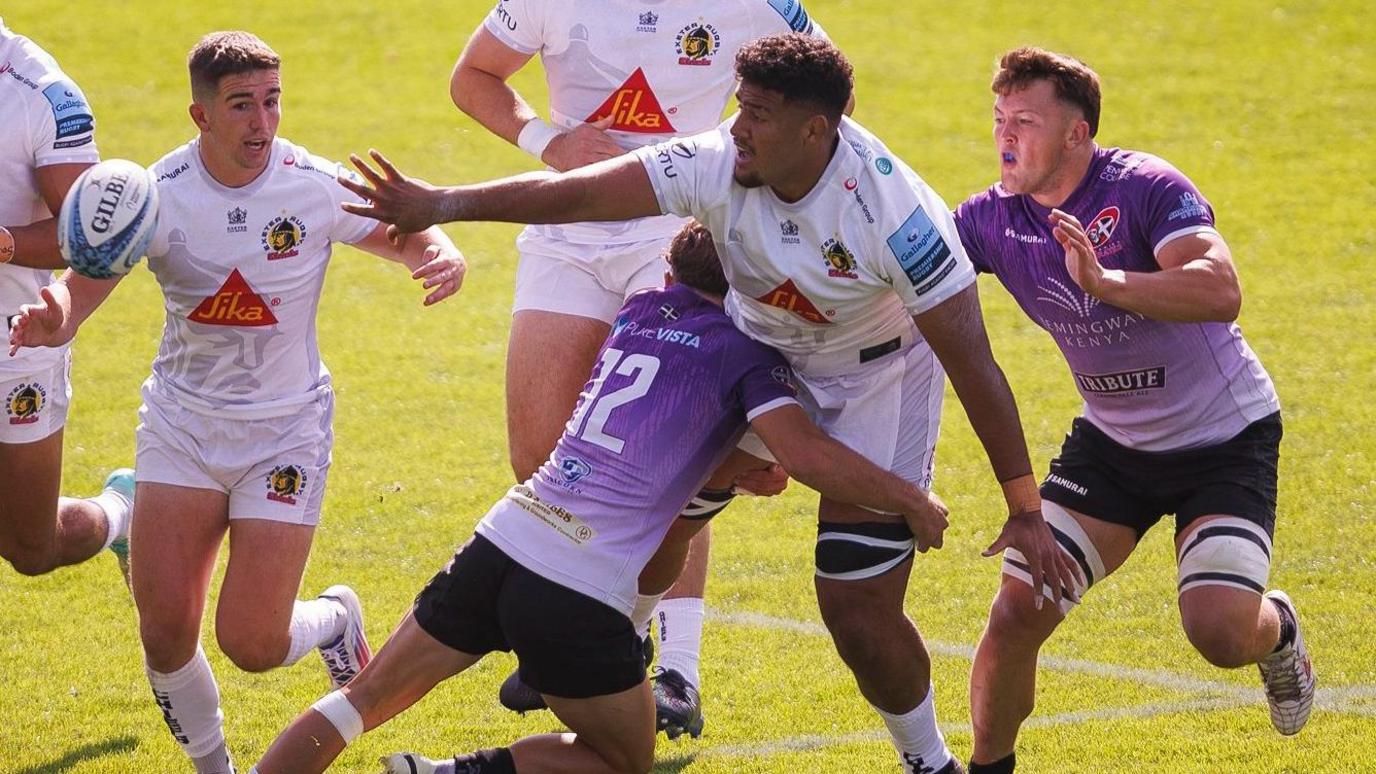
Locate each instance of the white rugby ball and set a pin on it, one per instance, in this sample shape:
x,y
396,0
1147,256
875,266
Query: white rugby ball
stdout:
x,y
108,219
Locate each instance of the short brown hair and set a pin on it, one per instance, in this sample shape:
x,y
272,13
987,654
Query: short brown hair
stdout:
x,y
1076,84
802,68
693,260
227,53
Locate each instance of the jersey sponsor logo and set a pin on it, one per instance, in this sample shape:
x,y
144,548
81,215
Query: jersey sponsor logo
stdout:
x,y
71,113
884,165
678,149
282,235
632,329
1119,168
1072,300
1136,380
8,69
502,15
851,184
1102,227
921,251
563,522
1190,207
788,233
647,22
783,376
793,14
572,469
175,172
24,403
285,483
790,299
235,303
1029,239
696,43
1066,483
840,262
236,221
634,108
864,208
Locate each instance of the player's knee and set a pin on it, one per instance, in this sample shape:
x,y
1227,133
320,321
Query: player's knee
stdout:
x,y
1014,617
30,560
252,651
1221,645
168,642
862,627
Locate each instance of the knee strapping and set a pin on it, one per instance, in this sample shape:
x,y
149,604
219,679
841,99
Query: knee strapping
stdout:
x,y
1226,552
707,503
1074,542
850,552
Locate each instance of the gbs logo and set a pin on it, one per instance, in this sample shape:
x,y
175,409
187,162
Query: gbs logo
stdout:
x,y
573,469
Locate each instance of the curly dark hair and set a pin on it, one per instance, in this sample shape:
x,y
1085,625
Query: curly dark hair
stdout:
x,y
802,68
693,260
1076,84
227,53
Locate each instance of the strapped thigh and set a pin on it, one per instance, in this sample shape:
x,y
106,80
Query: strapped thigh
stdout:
x,y
1074,542
1228,551
851,552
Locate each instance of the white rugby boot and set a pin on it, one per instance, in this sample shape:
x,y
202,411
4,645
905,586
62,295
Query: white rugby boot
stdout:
x,y
121,482
349,653
1288,674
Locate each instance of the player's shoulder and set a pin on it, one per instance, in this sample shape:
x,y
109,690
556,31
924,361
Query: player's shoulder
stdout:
x,y
295,160
993,200
175,167
1131,168
26,64
788,14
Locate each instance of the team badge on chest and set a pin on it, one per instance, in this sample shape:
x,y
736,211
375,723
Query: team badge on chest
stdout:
x,y
840,262
696,43
24,402
282,235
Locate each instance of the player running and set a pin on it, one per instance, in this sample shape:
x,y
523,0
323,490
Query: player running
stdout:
x,y
47,140
1179,415
844,260
552,571
235,429
622,75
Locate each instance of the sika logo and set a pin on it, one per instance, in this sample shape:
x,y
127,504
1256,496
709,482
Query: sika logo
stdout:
x,y
634,108
1101,228
285,482
696,43
236,304
281,236
24,402
788,298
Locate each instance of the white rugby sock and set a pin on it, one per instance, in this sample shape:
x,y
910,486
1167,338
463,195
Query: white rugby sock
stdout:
x,y
117,509
644,608
677,627
917,737
190,704
314,623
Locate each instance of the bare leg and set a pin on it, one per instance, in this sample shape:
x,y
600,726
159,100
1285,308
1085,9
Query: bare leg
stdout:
x,y
610,733
40,531
1228,626
262,579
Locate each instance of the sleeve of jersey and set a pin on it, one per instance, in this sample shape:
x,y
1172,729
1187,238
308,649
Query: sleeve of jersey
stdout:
x,y
348,227
789,15
684,169
516,23
923,257
64,129
764,381
967,229
1175,207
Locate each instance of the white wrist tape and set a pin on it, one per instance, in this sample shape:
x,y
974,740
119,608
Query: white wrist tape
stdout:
x,y
535,136
341,713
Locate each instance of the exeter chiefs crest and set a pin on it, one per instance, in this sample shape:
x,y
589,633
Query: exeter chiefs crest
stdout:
x,y
285,482
24,402
281,236
840,263
696,44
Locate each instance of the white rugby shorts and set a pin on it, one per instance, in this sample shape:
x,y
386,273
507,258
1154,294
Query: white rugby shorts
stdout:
x,y
35,405
272,468
584,280
888,410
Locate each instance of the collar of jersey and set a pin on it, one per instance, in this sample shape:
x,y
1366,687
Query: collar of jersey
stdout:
x,y
243,191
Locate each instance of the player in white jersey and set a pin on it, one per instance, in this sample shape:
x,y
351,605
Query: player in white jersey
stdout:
x,y
842,258
47,138
235,429
622,75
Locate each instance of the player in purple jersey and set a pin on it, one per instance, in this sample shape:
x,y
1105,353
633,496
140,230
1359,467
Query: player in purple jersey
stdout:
x,y
1115,254
552,571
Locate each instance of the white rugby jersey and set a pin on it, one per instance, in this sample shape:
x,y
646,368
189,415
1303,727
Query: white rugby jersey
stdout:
x,y
659,68
44,120
839,271
241,271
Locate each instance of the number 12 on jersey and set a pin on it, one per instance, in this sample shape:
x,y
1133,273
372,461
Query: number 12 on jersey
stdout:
x,y
587,422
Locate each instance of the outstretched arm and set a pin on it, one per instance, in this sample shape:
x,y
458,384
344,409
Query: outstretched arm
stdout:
x,y
61,308
836,471
616,189
430,255
955,330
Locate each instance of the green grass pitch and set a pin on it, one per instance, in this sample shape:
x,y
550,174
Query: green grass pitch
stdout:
x,y
1267,106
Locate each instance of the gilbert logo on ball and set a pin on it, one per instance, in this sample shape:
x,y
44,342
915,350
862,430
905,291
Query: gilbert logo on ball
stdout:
x,y
108,219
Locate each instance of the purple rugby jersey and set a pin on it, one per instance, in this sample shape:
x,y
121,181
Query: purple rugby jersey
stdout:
x,y
673,390
1148,384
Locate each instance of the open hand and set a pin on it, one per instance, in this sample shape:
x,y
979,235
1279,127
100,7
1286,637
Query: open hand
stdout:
x,y
1080,259
583,145
41,324
443,270
409,204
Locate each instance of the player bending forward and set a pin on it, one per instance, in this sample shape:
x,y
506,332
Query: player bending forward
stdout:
x,y
1179,415
551,572
234,431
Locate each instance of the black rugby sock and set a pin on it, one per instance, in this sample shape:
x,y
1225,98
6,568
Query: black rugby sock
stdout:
x,y
1001,766
1287,628
496,760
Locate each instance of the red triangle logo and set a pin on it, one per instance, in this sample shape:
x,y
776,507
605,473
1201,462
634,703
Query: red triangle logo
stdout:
x,y
235,303
634,108
789,298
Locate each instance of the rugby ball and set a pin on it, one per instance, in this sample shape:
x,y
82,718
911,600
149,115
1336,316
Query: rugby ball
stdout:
x,y
108,219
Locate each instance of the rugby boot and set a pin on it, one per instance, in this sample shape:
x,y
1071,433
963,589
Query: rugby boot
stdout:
x,y
1288,674
410,763
349,652
121,482
678,708
516,696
